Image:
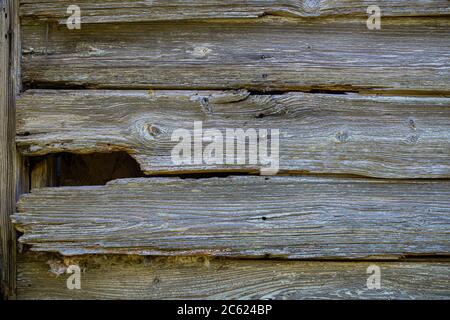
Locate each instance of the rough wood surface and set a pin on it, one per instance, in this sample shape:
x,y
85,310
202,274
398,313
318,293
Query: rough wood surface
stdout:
x,y
9,80
289,217
200,278
266,54
132,10
396,137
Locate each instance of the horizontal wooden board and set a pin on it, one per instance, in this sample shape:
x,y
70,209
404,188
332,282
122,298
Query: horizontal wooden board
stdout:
x,y
289,217
42,277
132,10
266,54
389,137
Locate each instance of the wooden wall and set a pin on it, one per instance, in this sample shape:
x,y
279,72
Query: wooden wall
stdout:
x,y
364,117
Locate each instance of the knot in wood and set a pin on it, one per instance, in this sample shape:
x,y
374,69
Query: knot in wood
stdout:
x,y
144,130
311,6
342,136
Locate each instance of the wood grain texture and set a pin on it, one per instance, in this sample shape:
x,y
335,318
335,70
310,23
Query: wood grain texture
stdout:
x,y
267,54
289,217
137,11
42,277
9,80
389,137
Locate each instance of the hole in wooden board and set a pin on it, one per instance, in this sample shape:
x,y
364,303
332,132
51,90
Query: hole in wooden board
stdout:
x,y
67,169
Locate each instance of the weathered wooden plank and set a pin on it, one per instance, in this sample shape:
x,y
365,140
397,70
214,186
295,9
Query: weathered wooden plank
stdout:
x,y
390,137
267,54
106,277
290,217
133,11
9,84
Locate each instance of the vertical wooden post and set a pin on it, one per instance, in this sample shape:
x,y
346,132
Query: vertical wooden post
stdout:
x,y
9,88
43,174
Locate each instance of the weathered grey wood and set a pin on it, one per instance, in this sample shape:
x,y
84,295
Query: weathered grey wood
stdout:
x,y
112,277
132,11
266,54
290,217
397,137
9,84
